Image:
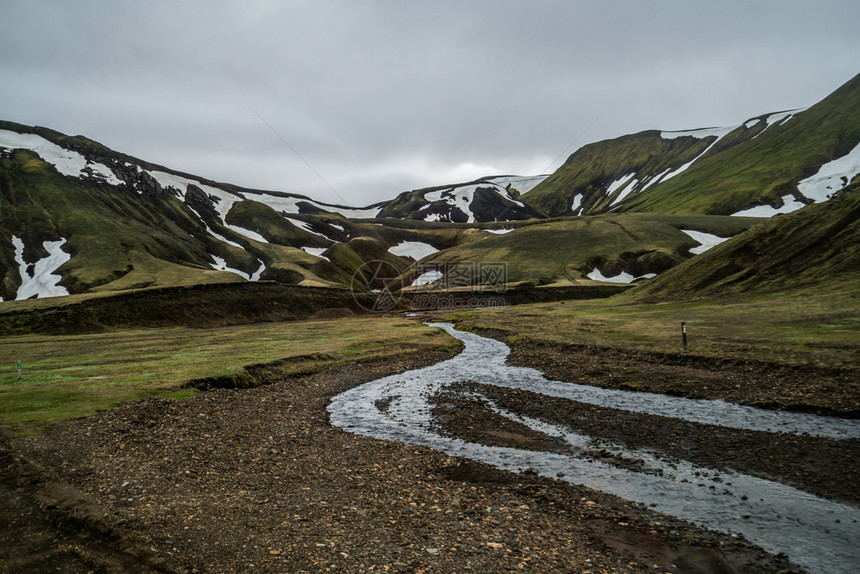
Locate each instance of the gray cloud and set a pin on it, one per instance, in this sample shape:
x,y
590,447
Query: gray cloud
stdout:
x,y
384,96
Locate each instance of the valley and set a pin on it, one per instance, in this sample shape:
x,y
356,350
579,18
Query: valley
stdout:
x,y
645,361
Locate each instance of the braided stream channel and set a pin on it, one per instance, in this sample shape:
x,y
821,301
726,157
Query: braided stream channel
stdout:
x,y
819,534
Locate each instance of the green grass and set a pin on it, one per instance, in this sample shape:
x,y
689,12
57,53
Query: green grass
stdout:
x,y
767,166
593,167
73,376
816,245
813,326
567,249
745,166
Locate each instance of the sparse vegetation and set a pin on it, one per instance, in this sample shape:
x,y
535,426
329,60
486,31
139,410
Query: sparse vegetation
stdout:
x,y
814,326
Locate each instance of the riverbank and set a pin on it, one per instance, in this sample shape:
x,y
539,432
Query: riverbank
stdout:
x,y
257,480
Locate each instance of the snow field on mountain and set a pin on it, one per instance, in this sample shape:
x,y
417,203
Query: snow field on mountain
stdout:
x,y
221,265
576,204
522,184
706,240
44,282
414,249
302,225
831,177
290,205
427,278
626,184
67,162
703,133
459,197
622,277
789,204
618,183
462,196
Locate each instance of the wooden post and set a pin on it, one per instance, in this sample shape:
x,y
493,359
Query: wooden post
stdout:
x,y
19,369
684,334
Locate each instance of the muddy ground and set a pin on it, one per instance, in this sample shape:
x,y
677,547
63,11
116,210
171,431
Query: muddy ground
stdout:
x,y
746,381
257,481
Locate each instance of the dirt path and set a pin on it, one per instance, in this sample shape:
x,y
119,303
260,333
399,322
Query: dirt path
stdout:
x,y
257,480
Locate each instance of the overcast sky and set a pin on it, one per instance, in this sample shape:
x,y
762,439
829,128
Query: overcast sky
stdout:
x,y
355,101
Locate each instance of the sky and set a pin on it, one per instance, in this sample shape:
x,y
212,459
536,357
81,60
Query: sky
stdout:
x,y
354,101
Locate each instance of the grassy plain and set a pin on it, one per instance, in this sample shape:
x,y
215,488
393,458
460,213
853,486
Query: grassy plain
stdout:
x,y
73,376
802,327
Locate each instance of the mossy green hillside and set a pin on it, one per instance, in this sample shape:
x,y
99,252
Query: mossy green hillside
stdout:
x,y
753,164
570,248
818,245
593,168
764,168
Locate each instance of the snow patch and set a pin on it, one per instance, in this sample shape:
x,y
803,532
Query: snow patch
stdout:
x,y
290,205
831,177
622,277
778,119
246,233
305,226
499,231
258,272
427,278
462,196
414,249
43,283
352,212
655,179
65,161
789,204
224,199
625,190
619,183
221,265
700,133
706,240
316,252
719,132
576,203
522,184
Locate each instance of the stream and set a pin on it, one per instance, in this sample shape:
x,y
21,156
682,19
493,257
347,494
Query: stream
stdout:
x,y
816,533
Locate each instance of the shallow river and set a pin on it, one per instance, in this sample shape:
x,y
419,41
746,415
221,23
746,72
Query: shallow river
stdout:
x,y
816,533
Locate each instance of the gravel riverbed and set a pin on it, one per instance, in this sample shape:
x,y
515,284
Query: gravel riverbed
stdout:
x,y
258,481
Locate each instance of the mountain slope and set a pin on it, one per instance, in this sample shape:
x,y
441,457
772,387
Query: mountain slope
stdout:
x,y
818,245
77,217
718,171
483,200
572,249
121,223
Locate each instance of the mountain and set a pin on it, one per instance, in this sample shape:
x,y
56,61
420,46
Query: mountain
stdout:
x,y
612,247
770,160
77,217
123,223
487,199
817,246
